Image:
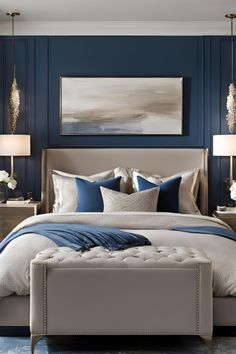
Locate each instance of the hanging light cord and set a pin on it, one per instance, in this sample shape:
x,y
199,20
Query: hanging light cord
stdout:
x,y
13,45
13,15
232,49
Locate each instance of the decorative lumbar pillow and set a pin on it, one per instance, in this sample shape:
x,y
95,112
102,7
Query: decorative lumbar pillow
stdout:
x,y
188,190
89,193
168,200
65,189
140,201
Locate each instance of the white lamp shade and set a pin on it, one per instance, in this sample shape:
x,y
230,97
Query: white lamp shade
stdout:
x,y
224,145
14,145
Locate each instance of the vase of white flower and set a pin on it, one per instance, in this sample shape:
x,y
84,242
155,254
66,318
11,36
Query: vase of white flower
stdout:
x,y
233,191
6,183
3,193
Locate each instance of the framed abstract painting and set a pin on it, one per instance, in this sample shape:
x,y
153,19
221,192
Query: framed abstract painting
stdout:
x,y
121,106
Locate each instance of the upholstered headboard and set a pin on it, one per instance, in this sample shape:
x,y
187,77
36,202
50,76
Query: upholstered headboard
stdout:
x,y
165,162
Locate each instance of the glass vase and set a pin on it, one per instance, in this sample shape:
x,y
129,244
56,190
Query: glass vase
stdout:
x,y
4,193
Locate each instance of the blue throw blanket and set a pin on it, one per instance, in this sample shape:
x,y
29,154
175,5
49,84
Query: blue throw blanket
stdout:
x,y
81,237
219,231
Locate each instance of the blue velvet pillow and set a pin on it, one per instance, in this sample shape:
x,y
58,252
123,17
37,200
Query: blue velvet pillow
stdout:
x,y
168,200
89,193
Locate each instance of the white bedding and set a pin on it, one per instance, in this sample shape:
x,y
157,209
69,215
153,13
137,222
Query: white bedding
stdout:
x,y
15,259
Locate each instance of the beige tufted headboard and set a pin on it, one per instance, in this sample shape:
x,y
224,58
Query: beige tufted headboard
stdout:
x,y
165,162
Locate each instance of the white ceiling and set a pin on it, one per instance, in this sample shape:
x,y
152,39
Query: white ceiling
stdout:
x,y
76,13
119,10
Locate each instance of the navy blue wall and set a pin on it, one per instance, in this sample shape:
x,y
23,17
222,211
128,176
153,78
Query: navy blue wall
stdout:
x,y
203,62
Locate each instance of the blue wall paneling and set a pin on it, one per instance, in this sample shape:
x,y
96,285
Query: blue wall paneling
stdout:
x,y
203,62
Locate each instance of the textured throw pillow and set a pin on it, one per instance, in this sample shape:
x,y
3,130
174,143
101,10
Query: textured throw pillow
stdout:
x,y
188,190
140,201
89,193
168,200
65,189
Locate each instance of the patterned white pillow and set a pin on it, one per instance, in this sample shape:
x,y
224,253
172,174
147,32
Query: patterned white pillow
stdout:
x,y
145,201
65,189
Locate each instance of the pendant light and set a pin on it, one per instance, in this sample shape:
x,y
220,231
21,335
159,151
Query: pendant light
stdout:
x,y
14,99
14,144
225,145
231,99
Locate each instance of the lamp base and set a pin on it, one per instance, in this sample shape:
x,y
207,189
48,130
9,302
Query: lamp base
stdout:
x,y
231,204
12,167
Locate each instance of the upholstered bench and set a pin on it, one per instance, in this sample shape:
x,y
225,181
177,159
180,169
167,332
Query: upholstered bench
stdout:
x,y
142,290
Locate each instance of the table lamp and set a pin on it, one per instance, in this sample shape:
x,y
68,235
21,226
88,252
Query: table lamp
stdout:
x,y
225,145
14,145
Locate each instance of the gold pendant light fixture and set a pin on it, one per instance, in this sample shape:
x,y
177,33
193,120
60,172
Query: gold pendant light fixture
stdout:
x,y
231,99
14,144
225,145
14,99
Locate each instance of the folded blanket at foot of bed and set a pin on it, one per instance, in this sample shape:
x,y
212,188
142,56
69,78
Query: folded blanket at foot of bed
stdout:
x,y
81,237
209,230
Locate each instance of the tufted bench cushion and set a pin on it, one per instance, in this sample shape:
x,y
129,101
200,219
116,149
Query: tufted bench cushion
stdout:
x,y
141,290
135,257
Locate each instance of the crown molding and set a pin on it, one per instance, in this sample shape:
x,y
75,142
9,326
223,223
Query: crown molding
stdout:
x,y
133,28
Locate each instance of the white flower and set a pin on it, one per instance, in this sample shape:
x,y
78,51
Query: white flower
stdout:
x,y
4,176
12,184
233,191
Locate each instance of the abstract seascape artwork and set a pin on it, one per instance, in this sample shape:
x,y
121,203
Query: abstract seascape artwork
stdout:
x,y
121,106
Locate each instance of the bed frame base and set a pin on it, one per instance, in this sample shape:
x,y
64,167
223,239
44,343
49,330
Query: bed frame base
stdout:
x,y
14,314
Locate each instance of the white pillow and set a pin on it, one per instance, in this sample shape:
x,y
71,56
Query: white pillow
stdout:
x,y
187,191
149,177
126,180
140,201
65,189
127,174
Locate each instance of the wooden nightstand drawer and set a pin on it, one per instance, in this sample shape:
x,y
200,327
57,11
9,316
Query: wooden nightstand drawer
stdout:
x,y
15,213
228,216
12,215
230,222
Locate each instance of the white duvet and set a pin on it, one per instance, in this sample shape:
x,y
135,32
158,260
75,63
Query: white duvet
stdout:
x,y
16,257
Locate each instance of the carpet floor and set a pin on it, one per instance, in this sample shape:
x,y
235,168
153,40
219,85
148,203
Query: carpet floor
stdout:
x,y
117,345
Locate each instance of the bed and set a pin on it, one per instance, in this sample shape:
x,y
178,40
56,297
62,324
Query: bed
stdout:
x,y
14,309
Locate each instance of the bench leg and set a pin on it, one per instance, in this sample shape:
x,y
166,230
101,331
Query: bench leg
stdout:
x,y
33,341
208,341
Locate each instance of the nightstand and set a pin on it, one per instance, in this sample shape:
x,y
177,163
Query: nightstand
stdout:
x,y
228,216
12,215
